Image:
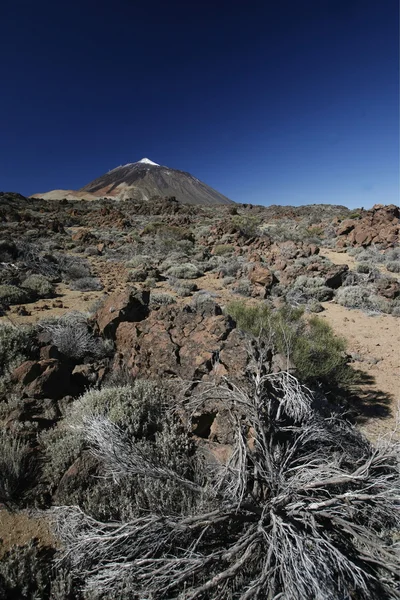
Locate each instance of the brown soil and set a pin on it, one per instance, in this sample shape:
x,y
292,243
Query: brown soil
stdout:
x,y
21,527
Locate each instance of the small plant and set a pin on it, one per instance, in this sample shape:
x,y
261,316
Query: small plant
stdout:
x,y
185,271
362,297
242,287
393,266
223,249
73,338
39,285
87,284
11,294
161,299
13,466
16,345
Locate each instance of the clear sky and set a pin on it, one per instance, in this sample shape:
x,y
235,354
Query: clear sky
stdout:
x,y
270,102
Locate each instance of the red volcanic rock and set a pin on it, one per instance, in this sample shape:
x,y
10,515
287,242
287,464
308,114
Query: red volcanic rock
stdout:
x,y
181,343
131,305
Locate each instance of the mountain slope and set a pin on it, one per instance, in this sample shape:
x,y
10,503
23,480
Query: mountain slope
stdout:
x,y
142,180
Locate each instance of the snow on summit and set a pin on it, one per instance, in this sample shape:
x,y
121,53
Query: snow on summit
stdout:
x,y
147,161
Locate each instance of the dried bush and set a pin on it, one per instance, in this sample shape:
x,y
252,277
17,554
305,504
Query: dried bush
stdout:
x,y
11,294
184,288
362,297
306,288
229,268
242,287
87,284
37,261
140,260
72,336
393,254
14,466
75,268
304,507
139,274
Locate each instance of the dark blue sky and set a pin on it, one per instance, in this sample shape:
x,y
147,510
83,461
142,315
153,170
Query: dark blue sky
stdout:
x,y
283,102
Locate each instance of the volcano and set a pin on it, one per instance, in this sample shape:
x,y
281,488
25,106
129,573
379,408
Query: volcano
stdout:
x,y
141,181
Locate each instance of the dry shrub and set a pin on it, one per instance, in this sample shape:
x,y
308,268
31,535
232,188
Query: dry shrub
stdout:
x,y
306,510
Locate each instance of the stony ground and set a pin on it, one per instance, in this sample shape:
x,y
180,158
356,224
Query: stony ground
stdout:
x,y
256,256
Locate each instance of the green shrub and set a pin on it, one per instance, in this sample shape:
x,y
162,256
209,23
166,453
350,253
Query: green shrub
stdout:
x,y
362,297
317,353
61,447
16,345
161,299
223,249
11,294
185,271
249,226
27,572
39,285
136,408
13,466
393,266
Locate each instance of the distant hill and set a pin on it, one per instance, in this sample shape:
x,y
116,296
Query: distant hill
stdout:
x,y
141,181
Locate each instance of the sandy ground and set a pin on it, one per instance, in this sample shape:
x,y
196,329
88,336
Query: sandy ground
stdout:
x,y
375,342
375,339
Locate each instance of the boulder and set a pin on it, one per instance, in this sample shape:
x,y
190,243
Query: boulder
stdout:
x,y
335,276
261,275
129,306
44,378
186,343
388,287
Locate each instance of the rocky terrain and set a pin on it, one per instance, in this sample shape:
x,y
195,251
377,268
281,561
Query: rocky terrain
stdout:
x,y
154,319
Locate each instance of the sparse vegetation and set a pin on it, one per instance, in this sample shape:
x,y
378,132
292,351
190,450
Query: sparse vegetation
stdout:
x,y
253,488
